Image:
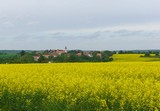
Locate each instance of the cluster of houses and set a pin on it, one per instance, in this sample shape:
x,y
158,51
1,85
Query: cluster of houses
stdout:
x,y
58,52
50,53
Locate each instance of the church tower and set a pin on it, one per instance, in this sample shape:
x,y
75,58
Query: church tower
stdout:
x,y
65,49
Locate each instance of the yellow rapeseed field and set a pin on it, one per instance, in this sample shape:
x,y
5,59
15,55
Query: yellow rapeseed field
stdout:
x,y
80,86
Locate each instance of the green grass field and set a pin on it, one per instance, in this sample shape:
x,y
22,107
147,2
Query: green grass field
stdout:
x,y
7,55
133,58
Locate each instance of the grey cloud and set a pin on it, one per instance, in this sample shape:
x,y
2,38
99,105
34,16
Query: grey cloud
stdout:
x,y
139,34
27,22
80,14
59,36
8,24
95,35
84,40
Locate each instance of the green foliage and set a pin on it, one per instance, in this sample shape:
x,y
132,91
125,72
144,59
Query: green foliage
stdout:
x,y
22,53
71,56
7,58
147,54
60,58
42,59
18,102
27,58
74,51
157,54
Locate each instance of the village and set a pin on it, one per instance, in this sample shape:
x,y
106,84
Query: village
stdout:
x,y
55,56
48,54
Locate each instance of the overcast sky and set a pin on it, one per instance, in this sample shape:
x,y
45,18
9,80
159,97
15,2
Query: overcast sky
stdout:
x,y
80,24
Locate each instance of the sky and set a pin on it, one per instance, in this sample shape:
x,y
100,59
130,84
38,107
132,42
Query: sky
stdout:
x,y
79,24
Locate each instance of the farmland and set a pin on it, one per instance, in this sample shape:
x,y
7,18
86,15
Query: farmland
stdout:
x,y
80,86
134,58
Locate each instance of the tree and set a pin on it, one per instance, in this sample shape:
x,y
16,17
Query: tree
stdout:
x,y
22,53
156,54
42,59
73,58
60,58
109,53
84,58
27,58
120,52
147,54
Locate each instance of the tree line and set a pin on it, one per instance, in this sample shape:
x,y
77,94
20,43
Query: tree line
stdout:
x,y
71,56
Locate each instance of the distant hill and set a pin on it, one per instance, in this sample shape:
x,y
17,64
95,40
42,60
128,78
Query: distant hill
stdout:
x,y
14,51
